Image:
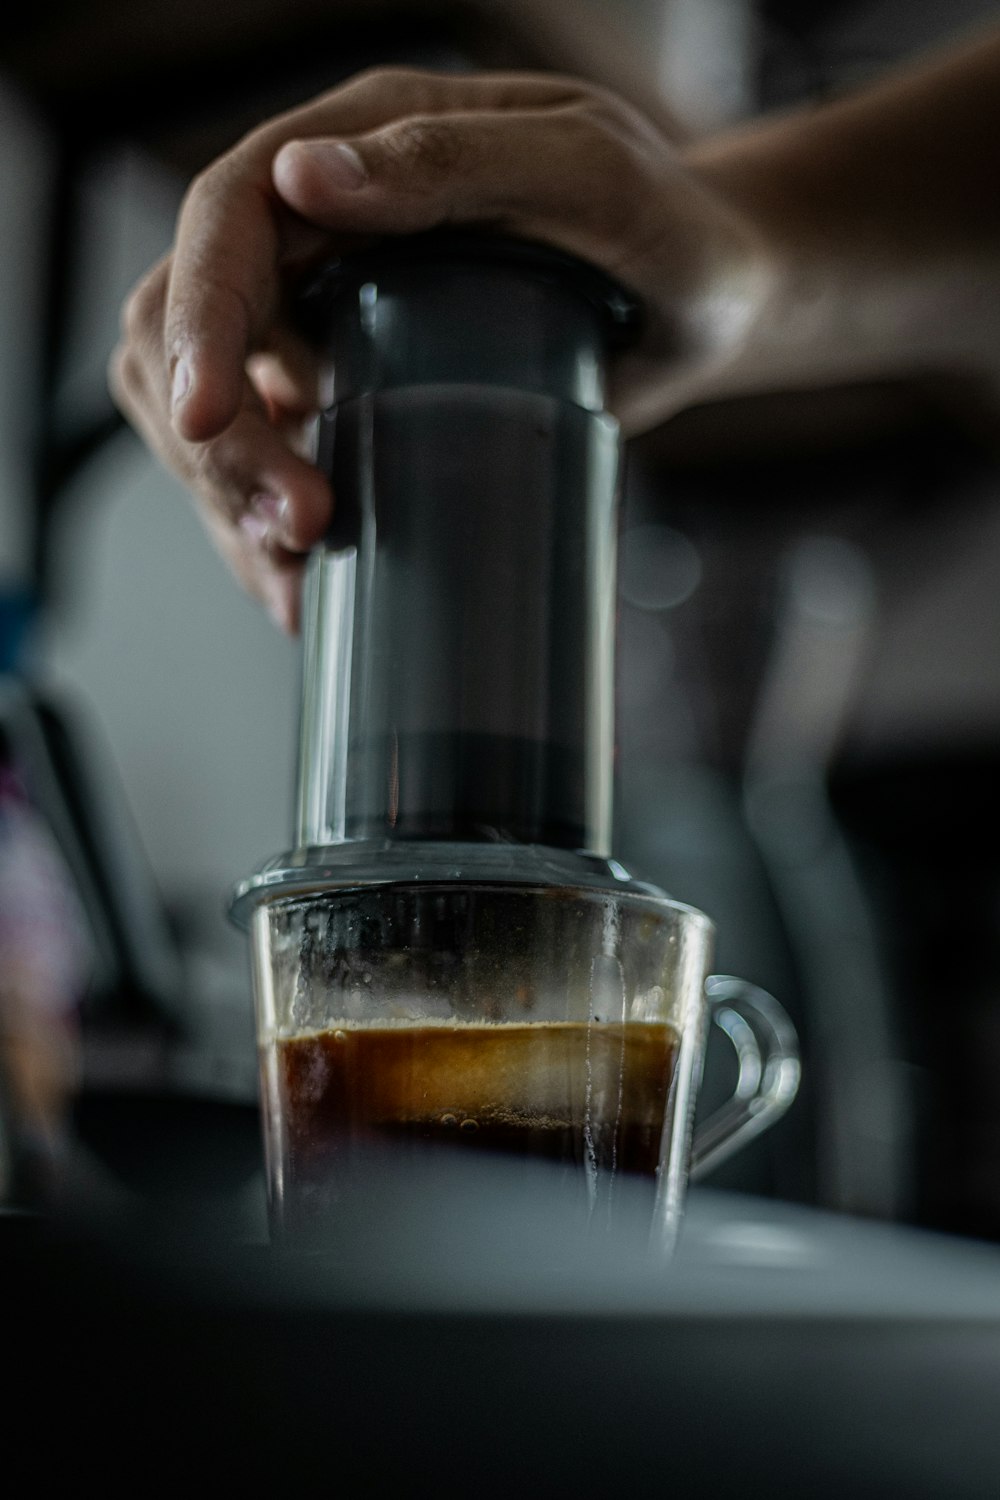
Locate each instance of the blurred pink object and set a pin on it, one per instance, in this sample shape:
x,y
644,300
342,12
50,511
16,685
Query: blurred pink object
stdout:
x,y
44,965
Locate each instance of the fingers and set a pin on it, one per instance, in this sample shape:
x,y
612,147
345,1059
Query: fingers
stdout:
x,y
218,302
567,181
269,573
265,504
208,369
579,170
545,159
582,175
234,234
380,95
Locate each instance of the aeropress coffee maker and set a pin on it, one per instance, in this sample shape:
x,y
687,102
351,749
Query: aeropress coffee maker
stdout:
x,y
450,956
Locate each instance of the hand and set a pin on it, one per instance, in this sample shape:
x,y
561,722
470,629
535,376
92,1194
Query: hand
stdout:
x,y
213,377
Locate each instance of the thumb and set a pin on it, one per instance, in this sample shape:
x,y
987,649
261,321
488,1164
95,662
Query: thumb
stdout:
x,y
525,172
404,177
314,176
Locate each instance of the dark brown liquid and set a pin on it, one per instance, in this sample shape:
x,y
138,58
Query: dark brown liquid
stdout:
x,y
595,1095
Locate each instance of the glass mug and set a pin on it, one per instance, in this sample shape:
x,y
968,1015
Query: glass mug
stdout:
x,y
566,1024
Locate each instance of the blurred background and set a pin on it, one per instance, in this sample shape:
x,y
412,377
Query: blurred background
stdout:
x,y
809,680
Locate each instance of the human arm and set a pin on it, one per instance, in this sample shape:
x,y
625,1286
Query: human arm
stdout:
x,y
832,243
882,225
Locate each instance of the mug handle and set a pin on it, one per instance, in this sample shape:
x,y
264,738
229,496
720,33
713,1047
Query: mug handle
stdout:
x,y
767,1054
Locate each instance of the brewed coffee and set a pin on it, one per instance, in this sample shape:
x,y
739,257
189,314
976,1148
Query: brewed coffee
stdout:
x,y
592,1095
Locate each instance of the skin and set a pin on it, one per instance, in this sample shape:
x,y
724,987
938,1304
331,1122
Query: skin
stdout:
x,y
855,240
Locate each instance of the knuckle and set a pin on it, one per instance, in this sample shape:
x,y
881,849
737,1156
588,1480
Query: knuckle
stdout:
x,y
430,144
601,111
610,132
121,375
396,86
617,168
378,89
226,502
386,79
205,184
143,307
214,188
595,130
218,475
200,189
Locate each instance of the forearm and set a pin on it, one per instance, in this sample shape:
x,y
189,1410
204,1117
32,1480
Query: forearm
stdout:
x,y
880,220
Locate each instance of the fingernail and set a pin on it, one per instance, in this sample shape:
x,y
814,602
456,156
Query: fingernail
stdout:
x,y
264,514
271,508
341,163
181,383
256,527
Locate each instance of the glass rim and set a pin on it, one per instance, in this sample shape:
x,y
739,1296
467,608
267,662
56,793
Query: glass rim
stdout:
x,y
310,894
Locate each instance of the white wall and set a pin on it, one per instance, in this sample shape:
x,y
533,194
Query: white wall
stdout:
x,y
192,685
185,682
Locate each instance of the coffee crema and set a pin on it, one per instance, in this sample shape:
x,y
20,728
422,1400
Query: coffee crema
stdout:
x,y
592,1094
